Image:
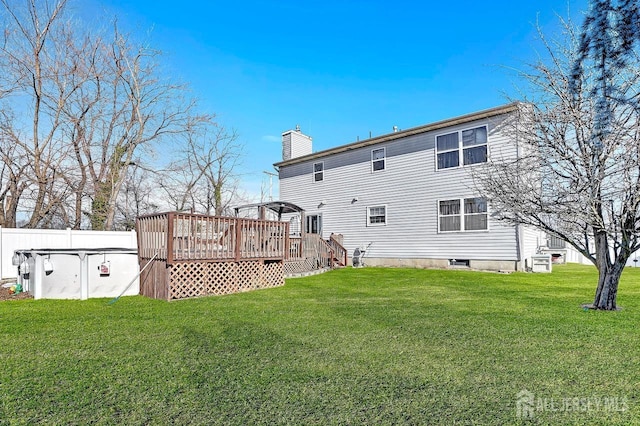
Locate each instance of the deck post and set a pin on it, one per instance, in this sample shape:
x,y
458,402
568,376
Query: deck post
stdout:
x,y
287,242
238,223
170,219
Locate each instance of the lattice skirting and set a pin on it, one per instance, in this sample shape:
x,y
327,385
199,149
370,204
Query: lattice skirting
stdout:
x,y
299,266
193,279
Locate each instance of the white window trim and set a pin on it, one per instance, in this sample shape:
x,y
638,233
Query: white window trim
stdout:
x,y
313,174
461,215
386,215
383,159
306,223
460,148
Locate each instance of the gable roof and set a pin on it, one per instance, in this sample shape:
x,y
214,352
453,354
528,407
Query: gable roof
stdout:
x,y
503,109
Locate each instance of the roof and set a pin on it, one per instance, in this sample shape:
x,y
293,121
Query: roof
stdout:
x,y
503,109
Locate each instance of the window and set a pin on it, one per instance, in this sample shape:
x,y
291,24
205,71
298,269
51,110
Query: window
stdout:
x,y
467,214
378,159
474,145
475,214
313,224
318,172
473,150
376,215
448,151
449,215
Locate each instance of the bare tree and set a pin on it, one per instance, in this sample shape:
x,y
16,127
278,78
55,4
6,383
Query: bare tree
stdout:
x,y
130,109
14,182
88,106
137,197
204,177
577,172
28,60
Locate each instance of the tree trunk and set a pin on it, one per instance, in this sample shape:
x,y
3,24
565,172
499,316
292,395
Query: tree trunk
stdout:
x,y
608,275
99,206
607,291
217,193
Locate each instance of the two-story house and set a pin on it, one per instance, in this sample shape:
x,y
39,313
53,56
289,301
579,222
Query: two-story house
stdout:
x,y
409,195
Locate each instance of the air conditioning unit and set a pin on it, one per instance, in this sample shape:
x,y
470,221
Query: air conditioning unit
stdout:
x,y
541,263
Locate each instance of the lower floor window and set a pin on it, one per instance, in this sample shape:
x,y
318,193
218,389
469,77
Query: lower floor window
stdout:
x,y
462,214
376,215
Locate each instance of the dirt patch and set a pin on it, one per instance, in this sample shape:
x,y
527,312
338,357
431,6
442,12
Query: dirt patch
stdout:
x,y
4,295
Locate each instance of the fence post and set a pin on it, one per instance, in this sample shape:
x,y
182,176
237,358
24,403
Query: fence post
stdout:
x,y
69,238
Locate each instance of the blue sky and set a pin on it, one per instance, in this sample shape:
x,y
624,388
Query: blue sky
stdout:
x,y
339,69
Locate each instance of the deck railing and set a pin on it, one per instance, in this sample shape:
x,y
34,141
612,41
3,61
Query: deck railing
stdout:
x,y
179,237
554,242
304,247
313,248
295,248
152,234
339,252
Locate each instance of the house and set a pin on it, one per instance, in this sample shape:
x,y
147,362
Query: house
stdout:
x,y
408,196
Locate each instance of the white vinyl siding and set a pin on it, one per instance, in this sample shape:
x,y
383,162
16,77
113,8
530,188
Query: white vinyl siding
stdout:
x,y
411,188
376,215
378,157
464,147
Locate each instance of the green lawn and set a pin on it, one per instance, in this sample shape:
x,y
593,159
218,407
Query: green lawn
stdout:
x,y
353,346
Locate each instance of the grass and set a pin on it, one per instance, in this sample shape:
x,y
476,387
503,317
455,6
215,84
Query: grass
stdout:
x,y
353,346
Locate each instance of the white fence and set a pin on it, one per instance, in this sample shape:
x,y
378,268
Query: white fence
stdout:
x,y
12,239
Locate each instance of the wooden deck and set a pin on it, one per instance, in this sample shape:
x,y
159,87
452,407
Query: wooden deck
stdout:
x,y
197,255
177,237
194,255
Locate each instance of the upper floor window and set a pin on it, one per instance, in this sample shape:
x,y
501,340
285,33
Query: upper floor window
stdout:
x,y
467,214
318,172
465,147
376,215
378,159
